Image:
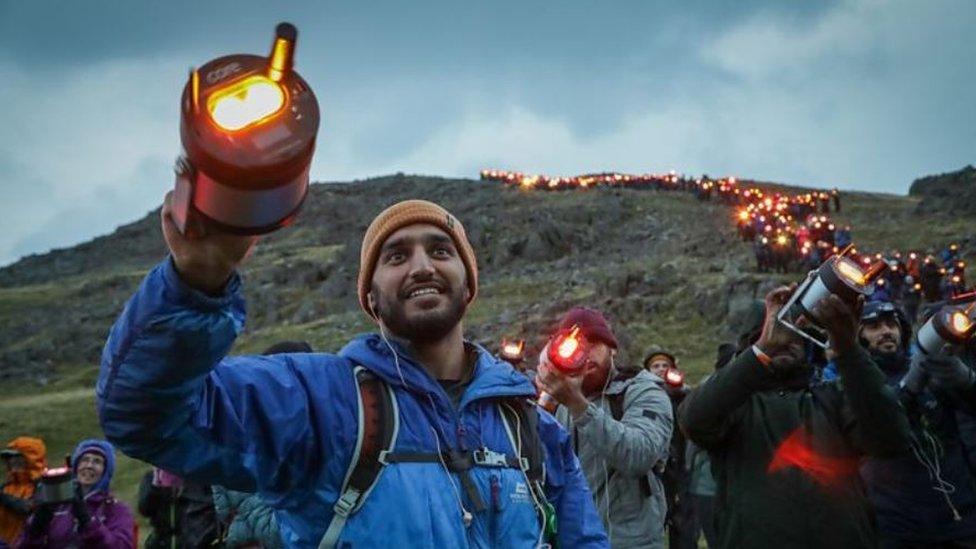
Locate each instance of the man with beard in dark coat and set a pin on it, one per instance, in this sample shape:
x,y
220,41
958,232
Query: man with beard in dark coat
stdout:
x,y
925,497
784,450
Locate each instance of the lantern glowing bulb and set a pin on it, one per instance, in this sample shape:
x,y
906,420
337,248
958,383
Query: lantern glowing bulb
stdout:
x,y
568,346
960,323
850,272
246,103
781,240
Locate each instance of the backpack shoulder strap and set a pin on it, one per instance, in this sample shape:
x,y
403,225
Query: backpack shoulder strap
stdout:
x,y
521,420
616,401
522,427
378,425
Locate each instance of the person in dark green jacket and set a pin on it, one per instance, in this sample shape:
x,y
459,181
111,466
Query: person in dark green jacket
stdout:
x,y
784,450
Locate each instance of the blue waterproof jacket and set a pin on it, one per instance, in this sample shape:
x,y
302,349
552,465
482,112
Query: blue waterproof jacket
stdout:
x,y
286,426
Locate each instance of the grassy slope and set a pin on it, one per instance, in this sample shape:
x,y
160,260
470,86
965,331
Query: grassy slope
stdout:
x,y
512,301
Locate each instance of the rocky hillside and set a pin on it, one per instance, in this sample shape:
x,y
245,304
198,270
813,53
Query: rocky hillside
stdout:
x,y
948,193
667,268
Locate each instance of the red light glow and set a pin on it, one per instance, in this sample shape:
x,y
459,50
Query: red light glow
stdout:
x,y
797,451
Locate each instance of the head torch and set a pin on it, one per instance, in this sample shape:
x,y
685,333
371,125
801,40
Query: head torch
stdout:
x,y
674,377
840,276
248,127
512,351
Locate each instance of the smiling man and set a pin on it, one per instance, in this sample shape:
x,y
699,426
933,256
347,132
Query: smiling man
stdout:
x,y
459,470
926,497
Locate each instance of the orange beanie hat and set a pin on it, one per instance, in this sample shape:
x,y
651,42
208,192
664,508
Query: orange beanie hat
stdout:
x,y
398,216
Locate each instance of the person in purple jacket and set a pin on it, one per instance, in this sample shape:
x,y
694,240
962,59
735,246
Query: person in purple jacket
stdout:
x,y
94,518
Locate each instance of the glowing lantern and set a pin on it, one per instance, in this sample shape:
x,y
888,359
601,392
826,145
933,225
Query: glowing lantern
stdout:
x,y
950,327
567,350
248,126
839,276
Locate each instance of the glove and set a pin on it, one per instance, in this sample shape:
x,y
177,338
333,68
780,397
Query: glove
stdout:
x,y
40,520
916,379
80,510
949,372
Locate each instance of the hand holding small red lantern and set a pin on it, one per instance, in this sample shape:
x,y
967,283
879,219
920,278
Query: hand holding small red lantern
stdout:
x,y
561,362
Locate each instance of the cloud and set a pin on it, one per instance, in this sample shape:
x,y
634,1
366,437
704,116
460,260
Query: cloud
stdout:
x,y
866,95
94,132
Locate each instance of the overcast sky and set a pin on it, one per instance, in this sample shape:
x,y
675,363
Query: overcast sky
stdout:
x,y
859,95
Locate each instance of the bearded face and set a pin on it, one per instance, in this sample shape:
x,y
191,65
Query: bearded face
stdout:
x,y
597,368
419,289
883,336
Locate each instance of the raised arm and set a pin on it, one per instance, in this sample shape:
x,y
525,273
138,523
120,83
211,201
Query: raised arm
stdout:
x,y
708,415
166,394
874,421
872,418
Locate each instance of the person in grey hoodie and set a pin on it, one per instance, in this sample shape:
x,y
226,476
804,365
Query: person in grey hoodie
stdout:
x,y
620,423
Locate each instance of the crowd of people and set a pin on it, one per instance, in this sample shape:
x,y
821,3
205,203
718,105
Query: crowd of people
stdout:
x,y
789,233
416,436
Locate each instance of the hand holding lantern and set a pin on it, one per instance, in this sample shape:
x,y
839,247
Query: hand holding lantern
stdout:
x,y
561,368
814,310
949,328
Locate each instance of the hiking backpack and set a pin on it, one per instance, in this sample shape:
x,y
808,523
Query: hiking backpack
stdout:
x,y
378,426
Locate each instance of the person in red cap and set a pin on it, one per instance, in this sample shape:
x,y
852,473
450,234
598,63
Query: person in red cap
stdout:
x,y
411,436
621,423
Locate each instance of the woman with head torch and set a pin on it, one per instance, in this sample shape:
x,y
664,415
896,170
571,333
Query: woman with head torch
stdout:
x,y
89,516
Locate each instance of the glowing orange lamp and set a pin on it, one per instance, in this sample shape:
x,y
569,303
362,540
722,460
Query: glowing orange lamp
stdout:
x,y
248,127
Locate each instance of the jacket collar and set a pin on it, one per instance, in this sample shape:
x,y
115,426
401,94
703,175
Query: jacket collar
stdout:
x,y
492,377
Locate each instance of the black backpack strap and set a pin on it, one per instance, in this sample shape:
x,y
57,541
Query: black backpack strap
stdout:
x,y
616,400
379,423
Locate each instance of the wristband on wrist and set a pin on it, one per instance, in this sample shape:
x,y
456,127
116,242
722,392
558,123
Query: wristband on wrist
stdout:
x,y
763,358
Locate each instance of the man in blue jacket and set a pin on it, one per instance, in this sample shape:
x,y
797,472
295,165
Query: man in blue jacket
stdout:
x,y
286,425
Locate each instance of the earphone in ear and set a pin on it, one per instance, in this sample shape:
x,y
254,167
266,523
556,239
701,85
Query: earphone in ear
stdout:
x,y
371,303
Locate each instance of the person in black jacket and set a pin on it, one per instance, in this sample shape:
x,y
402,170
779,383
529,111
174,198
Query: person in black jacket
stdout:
x,y
785,450
180,512
925,497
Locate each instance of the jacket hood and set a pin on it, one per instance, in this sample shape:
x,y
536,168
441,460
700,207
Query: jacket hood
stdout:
x,y
104,449
34,452
493,377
